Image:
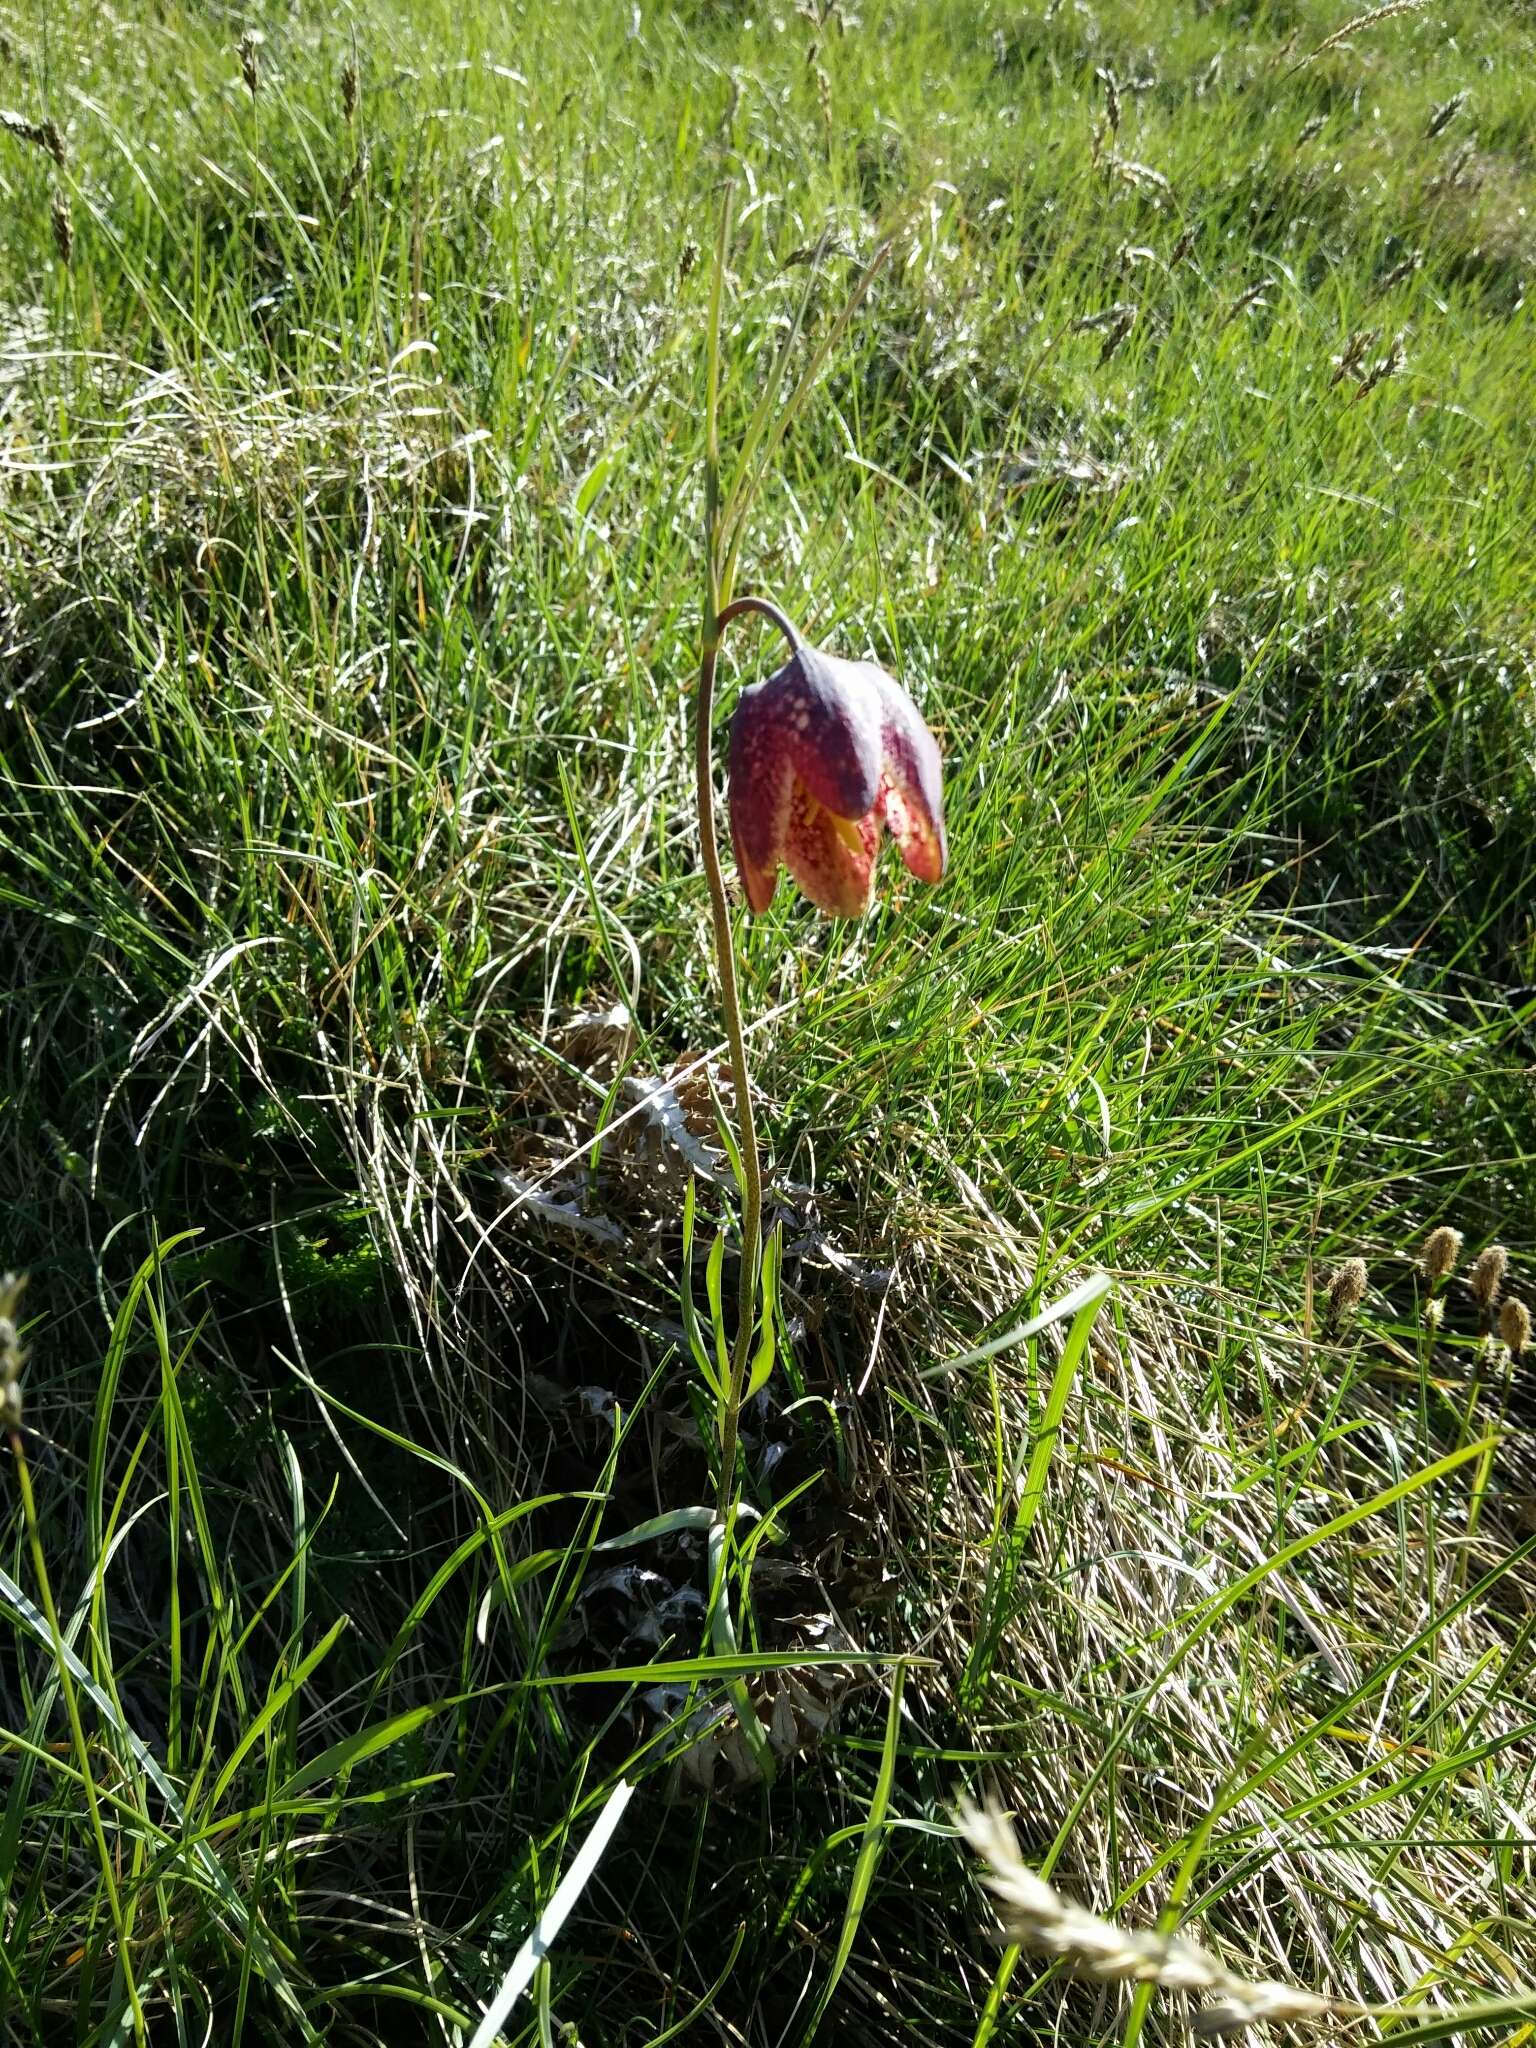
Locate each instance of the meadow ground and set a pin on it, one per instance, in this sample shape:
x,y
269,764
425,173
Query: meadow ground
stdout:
x,y
1179,459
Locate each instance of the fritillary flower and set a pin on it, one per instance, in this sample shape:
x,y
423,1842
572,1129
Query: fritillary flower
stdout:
x,y
824,753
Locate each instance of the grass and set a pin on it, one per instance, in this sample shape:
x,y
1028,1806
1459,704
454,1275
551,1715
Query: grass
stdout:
x,y
350,572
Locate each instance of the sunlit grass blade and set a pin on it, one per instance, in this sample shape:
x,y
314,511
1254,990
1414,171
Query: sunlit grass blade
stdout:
x,y
554,1916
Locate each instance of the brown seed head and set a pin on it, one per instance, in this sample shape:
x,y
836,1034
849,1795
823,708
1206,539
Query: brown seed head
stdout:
x,y
1446,112
1390,365
1118,329
349,89
41,134
1350,360
1346,1290
1487,1275
1111,100
62,220
1515,1327
248,50
1442,1248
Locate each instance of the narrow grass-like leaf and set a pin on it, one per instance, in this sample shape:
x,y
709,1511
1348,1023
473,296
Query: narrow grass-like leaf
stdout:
x,y
554,1916
276,1703
690,1315
871,1848
766,1354
218,1877
355,1749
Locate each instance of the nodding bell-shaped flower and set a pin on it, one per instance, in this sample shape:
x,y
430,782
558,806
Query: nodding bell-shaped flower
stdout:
x,y
823,753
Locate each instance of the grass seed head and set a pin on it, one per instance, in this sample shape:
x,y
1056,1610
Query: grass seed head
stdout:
x,y
1461,163
1353,28
1442,1248
1036,1916
1246,300
1487,1276
1350,360
1116,332
357,171
1400,272
1106,129
349,89
1390,365
1446,112
1111,101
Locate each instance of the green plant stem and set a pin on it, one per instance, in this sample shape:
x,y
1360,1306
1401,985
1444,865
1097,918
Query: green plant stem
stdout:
x,y
76,1726
730,1001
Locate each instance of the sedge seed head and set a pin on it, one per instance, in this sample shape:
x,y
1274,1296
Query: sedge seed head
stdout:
x,y
1346,1290
1515,1327
1442,1248
1487,1276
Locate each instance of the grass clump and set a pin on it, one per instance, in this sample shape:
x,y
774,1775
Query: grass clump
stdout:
x,y
358,1043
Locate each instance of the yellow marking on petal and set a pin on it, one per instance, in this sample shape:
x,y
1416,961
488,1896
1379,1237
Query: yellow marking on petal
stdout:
x,y
847,830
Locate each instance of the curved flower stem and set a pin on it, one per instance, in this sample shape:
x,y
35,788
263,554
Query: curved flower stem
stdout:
x,y
740,605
